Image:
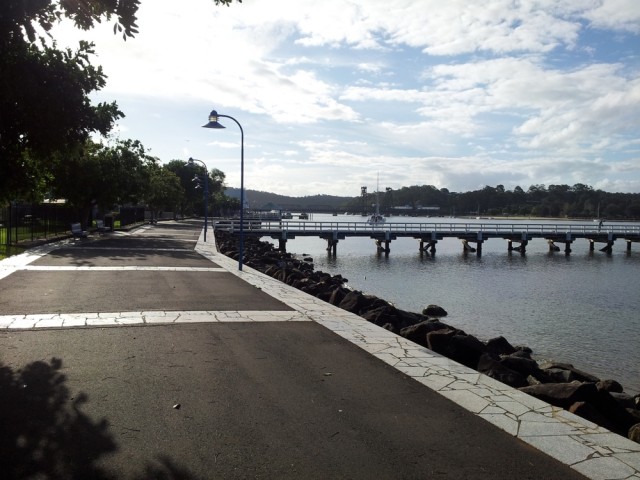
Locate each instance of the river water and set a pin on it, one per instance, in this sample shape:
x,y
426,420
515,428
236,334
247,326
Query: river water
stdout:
x,y
582,308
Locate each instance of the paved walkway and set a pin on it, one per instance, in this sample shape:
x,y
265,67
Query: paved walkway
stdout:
x,y
148,355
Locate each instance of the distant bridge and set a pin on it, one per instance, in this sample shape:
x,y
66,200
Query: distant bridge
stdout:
x,y
517,235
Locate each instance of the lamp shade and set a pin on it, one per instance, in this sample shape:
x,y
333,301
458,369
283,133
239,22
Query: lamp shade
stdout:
x,y
213,121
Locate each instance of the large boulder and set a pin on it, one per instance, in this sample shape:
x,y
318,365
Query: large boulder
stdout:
x,y
465,349
522,352
293,275
434,311
604,410
353,301
406,319
635,414
500,346
525,366
563,394
337,295
438,340
624,399
382,315
496,370
591,413
610,386
418,332
614,412
324,295
565,372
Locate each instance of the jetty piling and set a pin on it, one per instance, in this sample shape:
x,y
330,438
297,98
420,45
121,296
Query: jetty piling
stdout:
x,y
552,246
332,239
430,247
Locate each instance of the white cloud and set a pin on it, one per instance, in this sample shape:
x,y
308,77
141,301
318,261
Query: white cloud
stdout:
x,y
621,15
477,86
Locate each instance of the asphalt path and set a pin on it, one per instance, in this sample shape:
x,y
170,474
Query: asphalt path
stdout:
x,y
282,400
36,291
249,400
104,256
33,292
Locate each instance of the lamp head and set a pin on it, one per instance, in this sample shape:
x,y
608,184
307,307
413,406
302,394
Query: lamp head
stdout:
x,y
190,161
213,121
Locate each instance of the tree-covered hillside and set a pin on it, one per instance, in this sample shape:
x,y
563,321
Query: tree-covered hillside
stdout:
x,y
577,201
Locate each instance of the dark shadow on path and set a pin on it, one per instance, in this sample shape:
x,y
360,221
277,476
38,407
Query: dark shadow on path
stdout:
x,y
45,435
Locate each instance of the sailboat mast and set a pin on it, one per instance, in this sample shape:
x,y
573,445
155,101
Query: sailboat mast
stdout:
x,y
378,195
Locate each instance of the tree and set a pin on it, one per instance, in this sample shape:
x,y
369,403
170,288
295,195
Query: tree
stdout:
x,y
102,176
165,191
44,91
633,210
186,175
193,199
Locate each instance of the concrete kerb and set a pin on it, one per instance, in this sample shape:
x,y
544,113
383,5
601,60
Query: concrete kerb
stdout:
x,y
588,448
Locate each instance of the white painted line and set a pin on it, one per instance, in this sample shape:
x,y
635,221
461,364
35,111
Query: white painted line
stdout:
x,y
84,268
49,320
134,249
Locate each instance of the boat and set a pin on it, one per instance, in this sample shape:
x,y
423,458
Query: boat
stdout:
x,y
377,218
287,216
303,216
598,219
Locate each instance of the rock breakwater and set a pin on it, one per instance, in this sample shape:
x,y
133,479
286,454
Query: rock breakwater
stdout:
x,y
603,402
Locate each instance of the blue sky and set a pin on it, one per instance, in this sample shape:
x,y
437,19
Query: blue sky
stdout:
x,y
456,94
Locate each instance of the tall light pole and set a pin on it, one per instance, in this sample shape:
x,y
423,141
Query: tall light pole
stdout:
x,y
213,123
206,193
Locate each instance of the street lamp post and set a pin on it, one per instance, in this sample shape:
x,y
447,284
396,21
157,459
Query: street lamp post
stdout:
x,y
213,123
191,161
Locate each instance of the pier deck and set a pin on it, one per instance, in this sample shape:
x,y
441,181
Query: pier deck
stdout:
x,y
430,233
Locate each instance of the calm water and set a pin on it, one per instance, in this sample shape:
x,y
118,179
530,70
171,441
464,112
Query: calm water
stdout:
x,y
582,309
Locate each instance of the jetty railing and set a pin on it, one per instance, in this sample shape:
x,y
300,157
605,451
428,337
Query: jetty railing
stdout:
x,y
517,235
411,228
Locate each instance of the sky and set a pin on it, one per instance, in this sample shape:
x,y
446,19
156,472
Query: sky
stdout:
x,y
333,94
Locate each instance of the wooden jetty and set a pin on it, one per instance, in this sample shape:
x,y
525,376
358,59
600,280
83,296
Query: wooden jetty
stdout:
x,y
472,235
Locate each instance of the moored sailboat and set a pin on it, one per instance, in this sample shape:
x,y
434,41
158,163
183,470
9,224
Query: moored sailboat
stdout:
x,y
377,218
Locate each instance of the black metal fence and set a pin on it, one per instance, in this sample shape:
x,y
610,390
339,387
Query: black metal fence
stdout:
x,y
129,216
29,223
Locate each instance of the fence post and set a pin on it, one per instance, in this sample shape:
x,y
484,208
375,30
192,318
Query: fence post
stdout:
x,y
4,213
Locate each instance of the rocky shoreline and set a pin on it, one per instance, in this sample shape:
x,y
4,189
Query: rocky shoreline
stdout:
x,y
603,402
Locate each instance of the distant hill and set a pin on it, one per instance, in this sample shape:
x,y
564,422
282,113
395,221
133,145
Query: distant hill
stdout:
x,y
259,200
559,201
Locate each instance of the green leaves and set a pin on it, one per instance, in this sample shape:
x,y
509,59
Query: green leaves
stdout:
x,y
45,109
44,91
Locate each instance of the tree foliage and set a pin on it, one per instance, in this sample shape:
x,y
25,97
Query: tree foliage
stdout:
x,y
191,178
102,176
44,91
164,192
574,201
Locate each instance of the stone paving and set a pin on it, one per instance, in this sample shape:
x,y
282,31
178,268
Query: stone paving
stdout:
x,y
589,449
